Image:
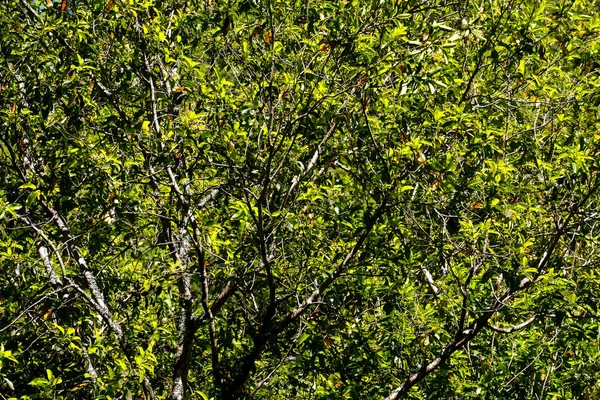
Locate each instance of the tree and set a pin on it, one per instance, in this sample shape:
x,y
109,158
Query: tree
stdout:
x,y
334,199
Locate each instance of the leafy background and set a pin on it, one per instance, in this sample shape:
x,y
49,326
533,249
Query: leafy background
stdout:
x,y
268,199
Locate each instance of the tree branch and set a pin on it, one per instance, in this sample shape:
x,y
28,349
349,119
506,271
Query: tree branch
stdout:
x,y
272,331
513,328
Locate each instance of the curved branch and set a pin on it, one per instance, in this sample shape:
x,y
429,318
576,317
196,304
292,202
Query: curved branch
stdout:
x,y
513,328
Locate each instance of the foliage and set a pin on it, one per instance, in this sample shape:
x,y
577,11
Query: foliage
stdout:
x,y
279,199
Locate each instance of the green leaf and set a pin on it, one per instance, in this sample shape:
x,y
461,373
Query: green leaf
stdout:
x,y
442,27
39,382
202,394
27,185
522,66
32,198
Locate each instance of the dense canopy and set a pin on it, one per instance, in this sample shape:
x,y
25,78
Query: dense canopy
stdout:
x,y
270,199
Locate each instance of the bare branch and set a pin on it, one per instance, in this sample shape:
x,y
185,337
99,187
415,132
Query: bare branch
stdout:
x,y
54,279
513,328
430,281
